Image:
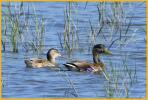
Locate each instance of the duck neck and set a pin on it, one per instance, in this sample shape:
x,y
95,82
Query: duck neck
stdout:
x,y
96,58
51,59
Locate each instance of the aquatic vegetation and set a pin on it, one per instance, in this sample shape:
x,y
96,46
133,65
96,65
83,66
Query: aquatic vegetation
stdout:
x,y
113,26
35,42
71,91
5,34
24,31
117,26
15,32
20,26
70,36
121,78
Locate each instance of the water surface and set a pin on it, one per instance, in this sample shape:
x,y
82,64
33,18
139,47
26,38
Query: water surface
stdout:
x,y
20,82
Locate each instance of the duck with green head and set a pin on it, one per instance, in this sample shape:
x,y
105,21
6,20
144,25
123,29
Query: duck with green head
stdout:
x,y
94,67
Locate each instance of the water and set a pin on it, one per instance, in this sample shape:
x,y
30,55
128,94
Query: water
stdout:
x,y
19,81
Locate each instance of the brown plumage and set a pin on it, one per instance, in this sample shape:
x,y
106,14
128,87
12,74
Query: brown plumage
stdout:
x,y
85,66
52,54
94,67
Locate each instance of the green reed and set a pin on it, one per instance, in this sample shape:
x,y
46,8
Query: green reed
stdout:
x,y
117,25
70,36
122,77
113,19
114,23
15,32
36,42
19,22
71,91
12,30
5,34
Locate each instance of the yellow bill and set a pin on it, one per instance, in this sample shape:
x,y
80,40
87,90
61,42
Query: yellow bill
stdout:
x,y
106,51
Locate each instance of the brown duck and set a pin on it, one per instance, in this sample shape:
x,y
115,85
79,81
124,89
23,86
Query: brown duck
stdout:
x,y
94,67
52,54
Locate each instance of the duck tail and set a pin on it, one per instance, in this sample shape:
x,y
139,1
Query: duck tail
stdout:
x,y
28,63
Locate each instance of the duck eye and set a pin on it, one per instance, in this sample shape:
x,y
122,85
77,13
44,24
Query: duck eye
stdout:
x,y
56,51
100,50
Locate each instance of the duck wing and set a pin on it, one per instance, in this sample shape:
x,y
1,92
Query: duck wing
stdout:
x,y
36,62
77,65
84,66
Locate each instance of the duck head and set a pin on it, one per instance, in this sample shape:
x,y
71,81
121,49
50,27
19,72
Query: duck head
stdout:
x,y
52,54
99,49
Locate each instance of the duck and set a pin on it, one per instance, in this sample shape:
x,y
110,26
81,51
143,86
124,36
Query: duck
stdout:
x,y
96,66
51,55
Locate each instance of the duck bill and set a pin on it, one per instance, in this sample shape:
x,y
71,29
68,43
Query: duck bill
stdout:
x,y
106,51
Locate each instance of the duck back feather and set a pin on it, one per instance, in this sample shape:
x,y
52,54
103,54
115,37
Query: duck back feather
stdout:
x,y
38,62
